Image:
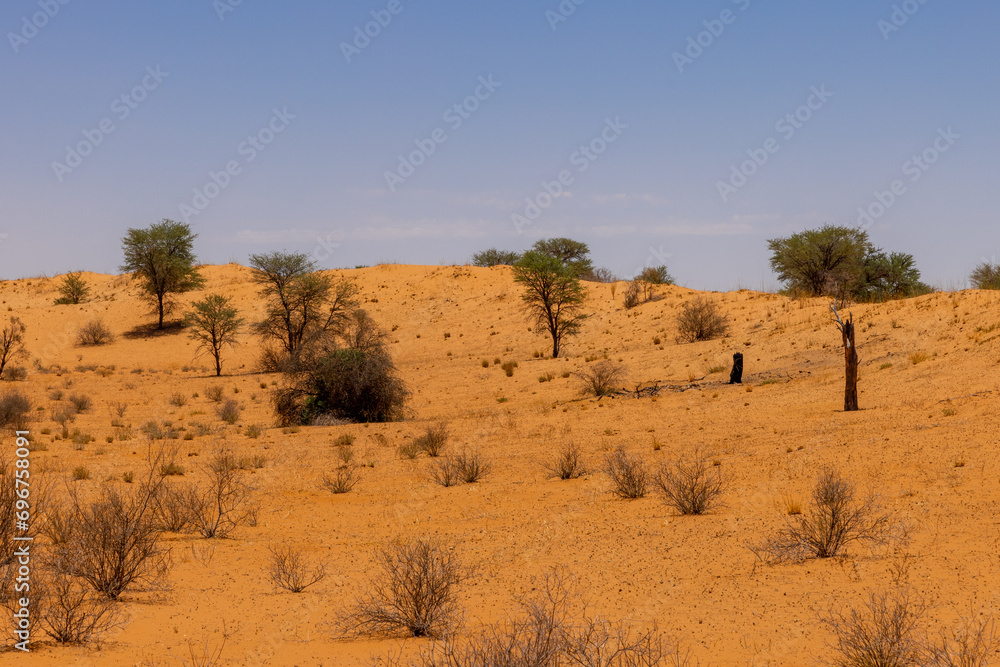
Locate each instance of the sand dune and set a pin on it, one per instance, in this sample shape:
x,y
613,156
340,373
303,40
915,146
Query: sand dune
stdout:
x,y
634,561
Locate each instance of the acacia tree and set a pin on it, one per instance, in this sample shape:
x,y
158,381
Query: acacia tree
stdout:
x,y
986,276
302,304
11,342
162,257
553,296
215,324
74,290
574,254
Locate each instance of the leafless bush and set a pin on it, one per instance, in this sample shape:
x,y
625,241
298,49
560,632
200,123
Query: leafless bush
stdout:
x,y
116,542
433,440
70,612
225,503
171,510
14,374
628,473
471,466
834,519
413,594
215,393
691,485
633,294
882,632
15,411
80,402
290,570
229,411
445,472
969,646
602,378
601,643
11,504
699,320
59,524
567,464
341,480
94,332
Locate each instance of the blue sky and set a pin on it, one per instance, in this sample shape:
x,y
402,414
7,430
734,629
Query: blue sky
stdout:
x,y
664,124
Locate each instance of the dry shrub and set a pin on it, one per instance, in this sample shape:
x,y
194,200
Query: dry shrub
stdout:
x,y
94,332
602,378
433,440
171,511
633,294
15,411
341,480
80,402
445,472
567,464
215,393
969,646
225,502
115,543
178,399
542,634
628,473
69,611
14,374
290,570
834,519
700,319
882,632
691,485
229,411
58,525
414,594
408,450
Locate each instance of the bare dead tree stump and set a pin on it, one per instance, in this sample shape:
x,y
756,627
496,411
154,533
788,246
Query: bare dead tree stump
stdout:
x,y
736,375
851,360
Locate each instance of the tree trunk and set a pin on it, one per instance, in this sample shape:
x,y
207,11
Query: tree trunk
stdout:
x,y
736,376
555,346
851,358
218,363
159,304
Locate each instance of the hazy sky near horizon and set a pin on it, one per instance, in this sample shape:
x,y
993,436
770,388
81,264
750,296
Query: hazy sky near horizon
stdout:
x,y
684,134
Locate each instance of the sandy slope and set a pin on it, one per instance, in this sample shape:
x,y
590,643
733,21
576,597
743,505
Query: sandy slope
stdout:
x,y
633,560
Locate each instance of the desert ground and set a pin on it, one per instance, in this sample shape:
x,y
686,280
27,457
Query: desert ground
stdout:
x,y
925,440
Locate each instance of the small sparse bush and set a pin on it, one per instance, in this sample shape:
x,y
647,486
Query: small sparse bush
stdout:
x,y
128,477
471,466
633,295
433,440
343,440
81,402
178,400
94,332
602,378
445,472
567,465
171,469
15,411
290,570
835,518
408,450
254,431
170,508
413,594
882,633
918,357
701,320
986,276
70,612
628,473
81,473
229,411
215,393
73,290
15,374
225,502
341,480
691,486
508,368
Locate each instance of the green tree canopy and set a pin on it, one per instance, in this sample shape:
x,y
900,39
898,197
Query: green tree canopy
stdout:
x,y
574,254
842,262
302,303
214,323
163,259
494,257
553,296
986,276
